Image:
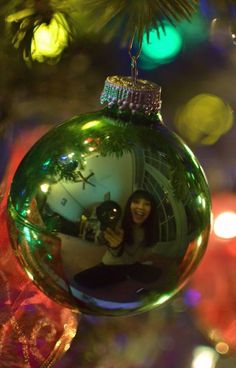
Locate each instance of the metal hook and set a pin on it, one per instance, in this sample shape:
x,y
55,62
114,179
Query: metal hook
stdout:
x,y
134,59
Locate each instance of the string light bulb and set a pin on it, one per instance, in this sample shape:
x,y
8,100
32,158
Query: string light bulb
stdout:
x,y
49,40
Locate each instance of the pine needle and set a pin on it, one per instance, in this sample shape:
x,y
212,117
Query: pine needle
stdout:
x,y
134,16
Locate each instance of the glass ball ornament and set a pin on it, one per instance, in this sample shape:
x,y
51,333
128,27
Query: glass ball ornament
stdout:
x,y
109,212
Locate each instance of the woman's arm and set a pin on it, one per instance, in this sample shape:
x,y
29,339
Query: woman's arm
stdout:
x,y
114,240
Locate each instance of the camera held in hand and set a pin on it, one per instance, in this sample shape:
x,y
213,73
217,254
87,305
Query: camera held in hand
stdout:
x,y
108,213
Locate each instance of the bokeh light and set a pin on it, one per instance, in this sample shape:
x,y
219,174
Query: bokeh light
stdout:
x,y
222,34
204,356
161,47
194,32
225,225
50,39
204,119
214,281
222,348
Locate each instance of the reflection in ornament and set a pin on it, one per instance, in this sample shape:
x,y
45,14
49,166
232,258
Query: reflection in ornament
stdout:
x,y
128,157
34,331
215,115
212,288
108,214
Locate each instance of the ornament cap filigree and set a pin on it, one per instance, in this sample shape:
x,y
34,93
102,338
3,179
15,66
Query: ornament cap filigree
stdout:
x,y
141,96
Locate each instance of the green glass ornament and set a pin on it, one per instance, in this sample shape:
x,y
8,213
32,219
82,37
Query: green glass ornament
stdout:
x,y
109,212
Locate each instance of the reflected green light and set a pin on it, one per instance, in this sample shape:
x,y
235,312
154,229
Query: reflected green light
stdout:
x,y
191,154
46,163
90,124
164,48
195,31
199,240
163,299
27,233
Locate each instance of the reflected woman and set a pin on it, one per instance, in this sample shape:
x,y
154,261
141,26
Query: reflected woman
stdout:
x,y
126,245
138,230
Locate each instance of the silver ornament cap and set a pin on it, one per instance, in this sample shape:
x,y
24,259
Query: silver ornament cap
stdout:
x,y
138,96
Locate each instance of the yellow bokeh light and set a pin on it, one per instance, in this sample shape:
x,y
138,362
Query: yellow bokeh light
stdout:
x,y
50,39
225,225
222,348
204,119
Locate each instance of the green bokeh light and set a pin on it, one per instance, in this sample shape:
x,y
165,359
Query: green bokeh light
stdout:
x,y
162,49
194,32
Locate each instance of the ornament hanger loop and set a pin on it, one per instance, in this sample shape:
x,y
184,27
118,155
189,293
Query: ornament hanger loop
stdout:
x,y
134,59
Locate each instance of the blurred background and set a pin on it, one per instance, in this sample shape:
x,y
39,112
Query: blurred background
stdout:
x,y
51,73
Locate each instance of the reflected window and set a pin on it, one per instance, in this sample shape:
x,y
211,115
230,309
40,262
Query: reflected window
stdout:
x,y
167,223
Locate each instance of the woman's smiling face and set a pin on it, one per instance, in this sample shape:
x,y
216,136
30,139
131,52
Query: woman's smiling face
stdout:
x,y
140,209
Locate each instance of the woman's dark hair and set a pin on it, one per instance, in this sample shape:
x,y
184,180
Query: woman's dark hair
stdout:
x,y
150,225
